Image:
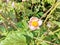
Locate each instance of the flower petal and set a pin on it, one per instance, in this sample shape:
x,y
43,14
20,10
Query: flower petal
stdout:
x,y
40,22
48,25
13,4
37,28
32,27
33,19
30,22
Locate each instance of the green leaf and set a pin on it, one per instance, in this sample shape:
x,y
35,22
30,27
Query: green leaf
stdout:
x,y
14,38
40,14
44,43
50,1
57,23
58,35
19,24
30,34
25,24
35,1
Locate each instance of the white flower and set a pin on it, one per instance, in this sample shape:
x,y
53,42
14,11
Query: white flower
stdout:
x,y
48,25
34,23
13,4
7,1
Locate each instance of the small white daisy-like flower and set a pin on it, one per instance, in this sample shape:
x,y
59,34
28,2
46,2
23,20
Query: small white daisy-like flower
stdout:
x,y
34,23
48,25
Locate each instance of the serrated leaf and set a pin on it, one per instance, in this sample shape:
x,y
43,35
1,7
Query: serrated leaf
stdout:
x,y
14,38
30,34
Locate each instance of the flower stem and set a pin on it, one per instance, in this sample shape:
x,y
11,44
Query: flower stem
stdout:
x,y
48,16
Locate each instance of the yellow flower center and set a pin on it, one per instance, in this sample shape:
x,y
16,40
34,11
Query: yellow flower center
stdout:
x,y
34,23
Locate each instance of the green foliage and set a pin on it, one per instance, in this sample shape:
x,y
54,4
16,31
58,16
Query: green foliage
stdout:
x,y
14,38
50,1
14,18
57,23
